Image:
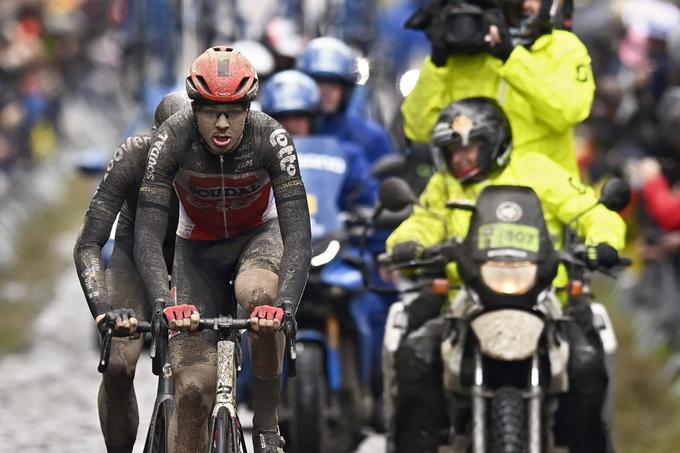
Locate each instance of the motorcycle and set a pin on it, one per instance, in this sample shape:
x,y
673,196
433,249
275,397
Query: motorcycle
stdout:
x,y
503,350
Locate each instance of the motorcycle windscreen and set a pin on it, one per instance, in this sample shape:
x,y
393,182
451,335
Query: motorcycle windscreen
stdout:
x,y
508,335
507,228
508,225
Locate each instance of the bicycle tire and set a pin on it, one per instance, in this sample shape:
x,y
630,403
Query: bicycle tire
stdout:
x,y
222,442
157,439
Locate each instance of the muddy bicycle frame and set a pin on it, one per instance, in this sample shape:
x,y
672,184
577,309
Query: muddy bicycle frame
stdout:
x,y
226,433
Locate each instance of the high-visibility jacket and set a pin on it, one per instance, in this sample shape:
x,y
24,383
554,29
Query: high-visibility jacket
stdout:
x,y
562,197
544,91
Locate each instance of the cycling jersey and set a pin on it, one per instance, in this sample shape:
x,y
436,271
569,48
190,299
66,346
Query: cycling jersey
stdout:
x,y
223,196
117,193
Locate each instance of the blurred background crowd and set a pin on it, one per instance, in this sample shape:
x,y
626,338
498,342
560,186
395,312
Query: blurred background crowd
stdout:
x,y
115,59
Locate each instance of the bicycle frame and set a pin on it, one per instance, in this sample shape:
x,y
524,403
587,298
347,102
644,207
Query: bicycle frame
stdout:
x,y
227,357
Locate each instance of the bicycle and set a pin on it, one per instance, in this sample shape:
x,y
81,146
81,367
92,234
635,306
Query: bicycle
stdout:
x,y
225,427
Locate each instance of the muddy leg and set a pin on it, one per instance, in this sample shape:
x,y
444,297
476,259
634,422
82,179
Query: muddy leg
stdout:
x,y
118,414
255,287
193,362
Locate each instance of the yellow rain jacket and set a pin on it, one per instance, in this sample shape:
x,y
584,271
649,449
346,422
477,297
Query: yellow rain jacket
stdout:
x,y
545,92
562,198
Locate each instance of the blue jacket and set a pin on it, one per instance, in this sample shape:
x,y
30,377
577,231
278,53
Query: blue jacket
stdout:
x,y
368,135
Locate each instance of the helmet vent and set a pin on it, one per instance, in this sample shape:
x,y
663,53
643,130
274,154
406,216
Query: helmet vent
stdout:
x,y
203,84
243,84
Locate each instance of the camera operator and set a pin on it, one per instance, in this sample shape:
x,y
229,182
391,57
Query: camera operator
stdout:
x,y
516,51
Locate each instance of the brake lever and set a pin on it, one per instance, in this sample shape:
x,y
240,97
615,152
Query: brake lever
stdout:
x,y
290,329
106,351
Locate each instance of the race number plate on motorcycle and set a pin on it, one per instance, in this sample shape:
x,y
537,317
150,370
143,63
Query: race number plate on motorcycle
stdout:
x,y
506,235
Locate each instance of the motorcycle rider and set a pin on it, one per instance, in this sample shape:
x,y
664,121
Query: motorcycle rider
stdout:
x,y
243,215
292,98
541,76
116,293
332,64
474,143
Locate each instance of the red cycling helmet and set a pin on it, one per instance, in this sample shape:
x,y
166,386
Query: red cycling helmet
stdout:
x,y
222,75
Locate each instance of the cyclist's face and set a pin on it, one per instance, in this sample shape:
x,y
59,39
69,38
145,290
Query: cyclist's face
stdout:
x,y
221,125
464,158
331,95
298,125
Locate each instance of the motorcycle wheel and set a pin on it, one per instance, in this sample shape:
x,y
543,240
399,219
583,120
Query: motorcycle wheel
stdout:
x,y
508,424
308,424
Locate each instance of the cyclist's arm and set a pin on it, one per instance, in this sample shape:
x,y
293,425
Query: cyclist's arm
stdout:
x,y
153,206
291,203
106,203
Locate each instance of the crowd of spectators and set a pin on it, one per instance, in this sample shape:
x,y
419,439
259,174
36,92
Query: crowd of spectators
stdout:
x,y
634,131
49,49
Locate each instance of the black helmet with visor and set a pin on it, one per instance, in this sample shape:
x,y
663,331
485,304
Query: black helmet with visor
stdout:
x,y
468,119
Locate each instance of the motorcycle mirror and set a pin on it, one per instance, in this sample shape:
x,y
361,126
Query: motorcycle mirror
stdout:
x,y
390,165
395,194
615,194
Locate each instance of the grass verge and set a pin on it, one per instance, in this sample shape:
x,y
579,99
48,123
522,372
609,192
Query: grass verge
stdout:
x,y
28,286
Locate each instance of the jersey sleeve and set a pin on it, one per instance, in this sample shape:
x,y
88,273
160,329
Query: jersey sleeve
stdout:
x,y
119,179
280,161
155,195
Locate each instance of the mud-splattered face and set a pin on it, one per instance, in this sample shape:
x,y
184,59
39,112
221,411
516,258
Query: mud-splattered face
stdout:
x,y
221,126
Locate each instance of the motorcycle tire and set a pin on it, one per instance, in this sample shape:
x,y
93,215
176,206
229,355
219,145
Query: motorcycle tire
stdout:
x,y
308,423
508,421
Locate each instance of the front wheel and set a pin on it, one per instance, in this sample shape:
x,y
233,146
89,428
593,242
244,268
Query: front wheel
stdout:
x,y
157,437
508,421
221,433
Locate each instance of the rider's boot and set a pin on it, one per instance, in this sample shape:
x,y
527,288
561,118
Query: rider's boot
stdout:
x,y
267,442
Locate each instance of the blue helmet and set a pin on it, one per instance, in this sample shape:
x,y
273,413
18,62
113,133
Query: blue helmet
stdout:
x,y
290,92
329,58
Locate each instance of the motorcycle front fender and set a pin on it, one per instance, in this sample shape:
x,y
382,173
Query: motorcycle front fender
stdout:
x,y
508,335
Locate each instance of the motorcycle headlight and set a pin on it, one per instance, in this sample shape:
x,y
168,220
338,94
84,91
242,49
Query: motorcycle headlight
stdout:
x,y
511,278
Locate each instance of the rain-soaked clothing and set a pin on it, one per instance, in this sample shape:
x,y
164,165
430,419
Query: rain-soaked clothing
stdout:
x,y
117,193
545,92
223,197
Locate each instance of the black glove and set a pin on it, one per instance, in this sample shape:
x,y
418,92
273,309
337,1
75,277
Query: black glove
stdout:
x,y
407,251
112,317
601,255
504,48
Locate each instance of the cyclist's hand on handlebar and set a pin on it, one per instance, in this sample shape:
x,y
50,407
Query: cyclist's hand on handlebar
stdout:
x,y
182,317
266,318
122,320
